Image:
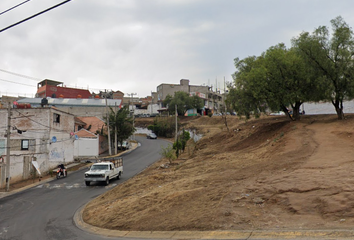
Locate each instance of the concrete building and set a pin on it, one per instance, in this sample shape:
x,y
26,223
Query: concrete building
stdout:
x,y
78,107
41,135
213,100
55,89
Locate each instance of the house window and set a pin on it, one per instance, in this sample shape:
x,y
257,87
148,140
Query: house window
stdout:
x,y
56,117
24,144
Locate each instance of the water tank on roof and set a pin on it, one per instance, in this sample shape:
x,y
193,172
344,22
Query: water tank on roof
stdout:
x,y
23,105
44,102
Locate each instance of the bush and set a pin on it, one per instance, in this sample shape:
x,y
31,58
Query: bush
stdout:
x,y
163,126
168,153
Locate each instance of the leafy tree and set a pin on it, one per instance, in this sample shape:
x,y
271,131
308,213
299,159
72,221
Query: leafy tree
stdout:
x,y
333,59
242,97
121,124
276,79
163,126
181,142
183,102
290,82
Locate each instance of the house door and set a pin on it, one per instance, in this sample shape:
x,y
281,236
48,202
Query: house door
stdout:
x,y
26,167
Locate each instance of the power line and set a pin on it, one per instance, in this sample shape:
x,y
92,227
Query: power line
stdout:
x,y
17,83
14,7
40,144
35,15
39,79
21,75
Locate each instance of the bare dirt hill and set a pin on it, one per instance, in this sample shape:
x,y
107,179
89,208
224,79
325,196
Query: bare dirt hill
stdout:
x,y
261,174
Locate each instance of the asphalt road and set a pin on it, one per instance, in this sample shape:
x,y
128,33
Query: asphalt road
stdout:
x,y
46,212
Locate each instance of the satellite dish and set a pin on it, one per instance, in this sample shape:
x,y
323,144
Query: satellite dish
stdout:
x,y
76,137
54,139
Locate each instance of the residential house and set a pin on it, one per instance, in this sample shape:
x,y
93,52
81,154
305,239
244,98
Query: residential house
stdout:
x,y
44,135
213,100
55,89
90,132
79,107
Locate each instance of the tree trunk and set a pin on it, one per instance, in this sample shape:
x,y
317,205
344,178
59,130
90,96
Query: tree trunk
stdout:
x,y
338,104
286,111
296,111
340,113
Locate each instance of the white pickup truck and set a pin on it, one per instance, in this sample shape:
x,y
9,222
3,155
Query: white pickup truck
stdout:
x,y
104,171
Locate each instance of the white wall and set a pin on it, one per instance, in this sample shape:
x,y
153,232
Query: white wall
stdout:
x,y
38,126
86,147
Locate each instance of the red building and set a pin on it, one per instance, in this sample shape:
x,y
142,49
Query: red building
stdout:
x,y
55,89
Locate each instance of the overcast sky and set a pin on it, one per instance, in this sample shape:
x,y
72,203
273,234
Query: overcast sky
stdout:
x,y
135,45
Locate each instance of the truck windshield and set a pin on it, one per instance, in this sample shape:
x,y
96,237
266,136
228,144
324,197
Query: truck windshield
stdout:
x,y
99,167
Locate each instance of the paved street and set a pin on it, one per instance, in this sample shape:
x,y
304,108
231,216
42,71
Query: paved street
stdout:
x,y
51,210
46,211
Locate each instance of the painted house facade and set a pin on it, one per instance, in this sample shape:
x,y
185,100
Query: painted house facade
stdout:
x,y
44,135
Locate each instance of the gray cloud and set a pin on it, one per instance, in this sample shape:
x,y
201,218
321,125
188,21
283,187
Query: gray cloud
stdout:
x,y
133,46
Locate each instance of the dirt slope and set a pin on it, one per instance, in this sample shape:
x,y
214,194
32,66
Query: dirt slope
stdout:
x,y
262,174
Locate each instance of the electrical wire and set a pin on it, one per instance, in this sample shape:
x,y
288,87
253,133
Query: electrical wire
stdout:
x,y
35,15
38,79
17,83
21,75
40,144
14,7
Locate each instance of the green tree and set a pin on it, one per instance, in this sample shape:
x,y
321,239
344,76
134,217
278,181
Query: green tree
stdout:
x,y
275,80
121,124
333,59
163,126
289,82
183,102
242,97
181,142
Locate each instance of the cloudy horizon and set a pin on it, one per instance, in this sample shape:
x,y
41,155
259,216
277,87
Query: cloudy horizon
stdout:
x,y
135,45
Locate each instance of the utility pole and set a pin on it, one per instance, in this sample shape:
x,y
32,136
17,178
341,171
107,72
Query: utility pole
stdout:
x,y
132,111
109,132
176,122
8,147
151,105
115,130
225,96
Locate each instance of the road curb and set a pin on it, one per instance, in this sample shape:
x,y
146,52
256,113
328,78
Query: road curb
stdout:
x,y
5,194
237,235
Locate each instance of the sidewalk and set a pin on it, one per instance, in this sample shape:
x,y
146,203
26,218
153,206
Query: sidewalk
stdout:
x,y
11,192
68,167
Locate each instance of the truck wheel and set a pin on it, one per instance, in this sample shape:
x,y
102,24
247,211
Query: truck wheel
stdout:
x,y
87,183
118,176
107,180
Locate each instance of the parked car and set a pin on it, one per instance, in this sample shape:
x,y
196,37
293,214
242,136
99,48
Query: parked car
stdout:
x,y
151,136
125,145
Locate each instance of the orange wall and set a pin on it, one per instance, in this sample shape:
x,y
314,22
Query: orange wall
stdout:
x,y
48,91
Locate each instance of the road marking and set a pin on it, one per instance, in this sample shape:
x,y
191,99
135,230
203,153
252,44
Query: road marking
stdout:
x,y
72,186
